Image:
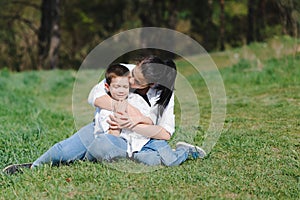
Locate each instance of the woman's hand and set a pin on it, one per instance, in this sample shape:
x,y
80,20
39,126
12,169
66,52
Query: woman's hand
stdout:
x,y
117,122
134,120
121,120
125,116
121,116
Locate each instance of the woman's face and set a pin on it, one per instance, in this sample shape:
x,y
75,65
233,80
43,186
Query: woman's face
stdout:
x,y
137,79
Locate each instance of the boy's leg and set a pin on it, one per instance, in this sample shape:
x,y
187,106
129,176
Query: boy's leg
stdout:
x,y
157,152
68,150
107,147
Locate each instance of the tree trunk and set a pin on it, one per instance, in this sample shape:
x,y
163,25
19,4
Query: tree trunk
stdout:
x,y
49,37
250,32
260,20
222,26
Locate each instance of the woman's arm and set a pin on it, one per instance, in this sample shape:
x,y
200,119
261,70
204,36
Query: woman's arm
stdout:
x,y
122,120
105,102
152,131
127,117
164,128
146,120
136,116
97,91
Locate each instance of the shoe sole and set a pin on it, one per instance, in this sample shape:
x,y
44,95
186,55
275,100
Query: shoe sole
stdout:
x,y
15,168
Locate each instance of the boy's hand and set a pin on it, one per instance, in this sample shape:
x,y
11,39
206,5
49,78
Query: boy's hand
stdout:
x,y
120,106
115,132
114,123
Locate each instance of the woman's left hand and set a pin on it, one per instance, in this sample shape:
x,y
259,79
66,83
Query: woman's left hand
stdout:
x,y
125,116
122,120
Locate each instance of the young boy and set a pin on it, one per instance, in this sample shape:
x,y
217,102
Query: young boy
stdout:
x,y
117,86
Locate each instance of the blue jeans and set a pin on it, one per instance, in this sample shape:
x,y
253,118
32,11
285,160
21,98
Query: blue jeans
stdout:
x,y
84,146
159,152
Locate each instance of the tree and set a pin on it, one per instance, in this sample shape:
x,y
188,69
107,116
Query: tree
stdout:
x,y
158,14
256,20
49,35
260,19
251,20
17,34
222,26
30,34
289,12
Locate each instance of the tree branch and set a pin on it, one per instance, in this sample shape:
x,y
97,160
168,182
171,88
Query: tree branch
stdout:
x,y
24,20
33,5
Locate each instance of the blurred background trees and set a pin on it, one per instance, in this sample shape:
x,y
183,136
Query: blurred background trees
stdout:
x,y
49,34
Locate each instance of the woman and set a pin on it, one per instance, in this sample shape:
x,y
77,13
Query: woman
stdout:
x,y
154,80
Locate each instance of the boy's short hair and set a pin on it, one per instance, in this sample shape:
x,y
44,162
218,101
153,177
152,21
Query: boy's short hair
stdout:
x,y
115,70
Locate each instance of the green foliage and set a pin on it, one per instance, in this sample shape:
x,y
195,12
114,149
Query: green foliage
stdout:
x,y
241,65
84,25
4,74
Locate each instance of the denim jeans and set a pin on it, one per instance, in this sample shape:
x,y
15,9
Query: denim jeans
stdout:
x,y
84,146
69,150
159,152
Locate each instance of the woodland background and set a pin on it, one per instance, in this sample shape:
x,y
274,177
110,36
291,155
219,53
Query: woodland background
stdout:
x,y
49,34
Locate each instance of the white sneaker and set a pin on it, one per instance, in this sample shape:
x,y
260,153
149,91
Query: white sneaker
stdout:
x,y
194,151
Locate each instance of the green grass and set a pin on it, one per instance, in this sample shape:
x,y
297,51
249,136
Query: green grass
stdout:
x,y
256,157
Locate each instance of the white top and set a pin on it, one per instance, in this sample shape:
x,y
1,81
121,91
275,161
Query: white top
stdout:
x,y
167,120
135,142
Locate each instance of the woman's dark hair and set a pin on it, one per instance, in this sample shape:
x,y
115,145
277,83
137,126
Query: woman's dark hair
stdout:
x,y
163,74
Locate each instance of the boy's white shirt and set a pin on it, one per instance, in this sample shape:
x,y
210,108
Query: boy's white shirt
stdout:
x,y
167,120
135,142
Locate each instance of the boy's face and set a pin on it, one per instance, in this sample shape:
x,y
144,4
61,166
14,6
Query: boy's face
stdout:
x,y
118,88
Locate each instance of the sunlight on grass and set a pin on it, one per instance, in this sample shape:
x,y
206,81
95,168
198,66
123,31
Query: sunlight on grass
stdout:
x,y
256,157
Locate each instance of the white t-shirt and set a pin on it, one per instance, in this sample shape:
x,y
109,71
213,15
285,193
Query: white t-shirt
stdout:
x,y
135,141
167,120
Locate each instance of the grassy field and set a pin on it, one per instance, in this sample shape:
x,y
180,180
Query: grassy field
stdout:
x,y
256,157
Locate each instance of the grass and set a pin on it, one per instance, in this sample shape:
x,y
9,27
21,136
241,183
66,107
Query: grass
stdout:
x,y
256,157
